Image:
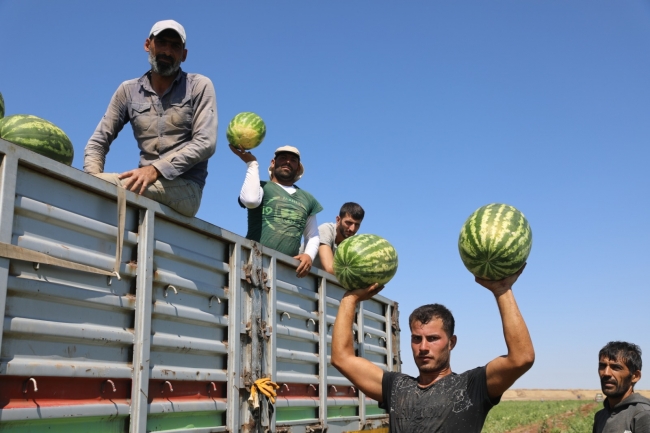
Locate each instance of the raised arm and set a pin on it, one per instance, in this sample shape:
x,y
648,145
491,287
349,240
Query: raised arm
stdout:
x,y
503,371
362,373
251,193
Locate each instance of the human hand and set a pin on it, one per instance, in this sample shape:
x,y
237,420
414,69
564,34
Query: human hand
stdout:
x,y
365,294
501,286
139,179
243,154
304,266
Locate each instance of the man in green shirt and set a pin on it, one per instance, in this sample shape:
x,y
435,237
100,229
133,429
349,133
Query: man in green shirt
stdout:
x,y
280,213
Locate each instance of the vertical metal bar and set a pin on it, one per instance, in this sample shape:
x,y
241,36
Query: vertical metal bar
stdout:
x,y
388,316
142,337
256,344
322,352
235,382
272,326
362,354
8,176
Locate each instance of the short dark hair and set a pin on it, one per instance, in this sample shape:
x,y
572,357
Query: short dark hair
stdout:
x,y
425,313
628,353
352,209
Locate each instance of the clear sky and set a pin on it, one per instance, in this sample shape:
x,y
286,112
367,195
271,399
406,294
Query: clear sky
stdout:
x,y
422,112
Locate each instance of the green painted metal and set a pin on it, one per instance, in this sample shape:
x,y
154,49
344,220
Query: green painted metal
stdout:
x,y
342,411
374,410
184,420
295,413
68,425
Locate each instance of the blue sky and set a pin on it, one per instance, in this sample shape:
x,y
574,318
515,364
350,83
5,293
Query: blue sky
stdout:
x,y
421,112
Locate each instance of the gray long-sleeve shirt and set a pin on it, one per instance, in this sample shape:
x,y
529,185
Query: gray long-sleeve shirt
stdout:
x,y
176,132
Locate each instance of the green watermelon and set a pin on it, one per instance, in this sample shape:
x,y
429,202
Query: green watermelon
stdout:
x,y
495,241
363,260
246,131
2,106
38,135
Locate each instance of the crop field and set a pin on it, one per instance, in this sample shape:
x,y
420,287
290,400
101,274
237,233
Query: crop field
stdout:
x,y
573,416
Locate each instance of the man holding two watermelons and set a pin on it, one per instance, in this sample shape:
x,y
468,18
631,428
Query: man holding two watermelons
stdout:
x,y
494,245
174,120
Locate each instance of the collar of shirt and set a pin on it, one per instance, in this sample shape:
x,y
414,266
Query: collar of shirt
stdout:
x,y
145,82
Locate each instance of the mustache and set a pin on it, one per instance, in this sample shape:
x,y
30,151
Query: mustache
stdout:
x,y
165,58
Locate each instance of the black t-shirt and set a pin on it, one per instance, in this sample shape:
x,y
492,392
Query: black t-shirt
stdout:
x,y
457,403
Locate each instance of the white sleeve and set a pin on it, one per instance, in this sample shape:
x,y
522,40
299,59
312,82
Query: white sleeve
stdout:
x,y
251,192
312,239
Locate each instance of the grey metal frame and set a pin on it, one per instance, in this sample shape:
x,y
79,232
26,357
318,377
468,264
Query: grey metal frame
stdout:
x,y
275,324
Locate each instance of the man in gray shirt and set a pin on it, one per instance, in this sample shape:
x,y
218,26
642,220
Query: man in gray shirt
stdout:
x,y
331,235
174,119
619,368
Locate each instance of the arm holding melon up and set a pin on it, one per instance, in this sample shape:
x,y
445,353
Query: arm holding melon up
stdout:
x,y
361,372
503,371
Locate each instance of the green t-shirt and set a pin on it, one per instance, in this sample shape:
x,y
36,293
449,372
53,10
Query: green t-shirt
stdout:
x,y
280,220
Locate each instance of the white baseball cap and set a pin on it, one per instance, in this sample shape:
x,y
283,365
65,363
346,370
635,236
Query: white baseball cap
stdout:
x,y
168,24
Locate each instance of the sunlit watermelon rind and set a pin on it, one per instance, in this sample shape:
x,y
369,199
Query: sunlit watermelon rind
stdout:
x,y
495,241
363,260
38,135
246,131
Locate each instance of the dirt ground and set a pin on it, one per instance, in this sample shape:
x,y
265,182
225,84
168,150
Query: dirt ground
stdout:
x,y
556,394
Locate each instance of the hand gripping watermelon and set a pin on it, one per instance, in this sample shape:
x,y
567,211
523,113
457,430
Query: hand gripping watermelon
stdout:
x,y
2,106
246,131
38,135
495,241
363,260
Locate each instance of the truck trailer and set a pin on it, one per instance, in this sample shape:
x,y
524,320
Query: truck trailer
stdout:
x,y
121,315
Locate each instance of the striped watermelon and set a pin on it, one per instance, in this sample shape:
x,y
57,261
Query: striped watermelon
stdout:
x,y
363,260
495,241
38,135
2,106
246,131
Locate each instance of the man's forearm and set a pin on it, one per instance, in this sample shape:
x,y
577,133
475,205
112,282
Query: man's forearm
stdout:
x,y
520,346
251,193
342,340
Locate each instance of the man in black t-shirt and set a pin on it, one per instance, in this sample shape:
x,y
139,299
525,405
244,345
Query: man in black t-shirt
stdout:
x,y
438,400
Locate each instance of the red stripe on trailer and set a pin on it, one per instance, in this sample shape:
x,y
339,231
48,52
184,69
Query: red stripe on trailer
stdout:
x,y
25,392
186,390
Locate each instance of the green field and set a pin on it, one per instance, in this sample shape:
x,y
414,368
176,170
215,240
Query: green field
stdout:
x,y
574,416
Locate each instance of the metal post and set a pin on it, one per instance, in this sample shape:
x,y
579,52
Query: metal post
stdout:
x,y
322,352
142,337
235,383
8,176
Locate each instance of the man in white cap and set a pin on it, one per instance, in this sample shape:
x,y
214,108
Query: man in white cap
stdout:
x,y
174,119
280,213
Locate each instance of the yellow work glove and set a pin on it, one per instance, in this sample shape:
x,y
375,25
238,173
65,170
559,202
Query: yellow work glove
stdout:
x,y
254,399
266,387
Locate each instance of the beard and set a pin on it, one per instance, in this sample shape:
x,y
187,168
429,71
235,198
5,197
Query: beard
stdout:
x,y
284,176
620,388
166,70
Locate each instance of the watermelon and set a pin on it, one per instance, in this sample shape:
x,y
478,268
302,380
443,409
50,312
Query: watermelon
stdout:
x,y
363,260
2,106
246,131
495,241
38,135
